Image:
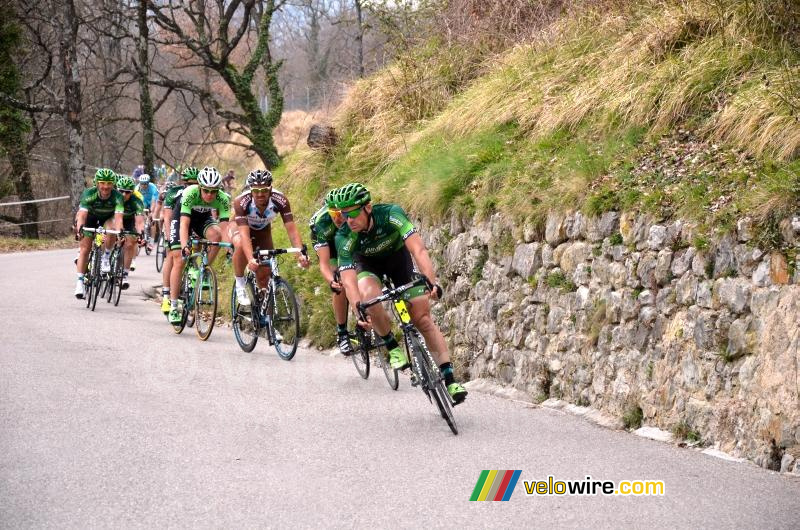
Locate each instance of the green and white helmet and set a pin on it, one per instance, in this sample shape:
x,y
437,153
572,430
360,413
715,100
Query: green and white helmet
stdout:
x,y
330,198
353,194
190,174
125,183
104,175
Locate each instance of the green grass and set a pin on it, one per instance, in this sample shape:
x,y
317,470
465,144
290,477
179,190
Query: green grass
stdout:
x,y
678,109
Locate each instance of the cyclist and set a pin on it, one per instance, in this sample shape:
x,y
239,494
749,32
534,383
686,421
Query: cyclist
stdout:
x,y
149,193
254,212
133,221
100,205
195,206
324,225
379,239
170,197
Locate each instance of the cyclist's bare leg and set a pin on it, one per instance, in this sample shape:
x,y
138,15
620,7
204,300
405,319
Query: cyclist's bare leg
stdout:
x,y
166,270
84,246
370,288
239,259
339,302
175,274
130,251
262,276
213,233
420,310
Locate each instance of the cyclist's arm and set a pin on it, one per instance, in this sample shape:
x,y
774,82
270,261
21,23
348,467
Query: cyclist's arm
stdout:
x,y
139,222
350,282
166,217
184,231
294,237
80,219
245,241
118,221
418,251
324,255
293,233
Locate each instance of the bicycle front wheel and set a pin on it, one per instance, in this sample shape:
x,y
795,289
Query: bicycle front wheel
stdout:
x,y
244,319
431,379
184,297
97,280
161,253
91,273
285,319
360,354
205,302
118,270
382,357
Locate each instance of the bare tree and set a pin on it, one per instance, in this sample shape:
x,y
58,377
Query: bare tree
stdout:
x,y
217,36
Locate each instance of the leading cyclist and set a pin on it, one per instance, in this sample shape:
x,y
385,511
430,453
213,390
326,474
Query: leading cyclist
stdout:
x,y
379,239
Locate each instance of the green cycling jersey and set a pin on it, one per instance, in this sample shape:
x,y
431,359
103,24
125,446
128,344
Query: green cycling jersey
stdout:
x,y
323,231
99,207
170,196
390,228
192,202
132,207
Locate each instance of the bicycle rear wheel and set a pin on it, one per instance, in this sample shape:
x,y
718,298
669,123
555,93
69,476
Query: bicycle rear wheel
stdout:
x,y
161,253
205,304
360,354
431,379
285,320
244,319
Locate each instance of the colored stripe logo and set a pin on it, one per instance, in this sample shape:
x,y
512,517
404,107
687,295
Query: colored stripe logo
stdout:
x,y
495,485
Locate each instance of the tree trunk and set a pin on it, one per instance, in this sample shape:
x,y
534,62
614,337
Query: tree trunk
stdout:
x,y
145,103
72,102
359,39
18,158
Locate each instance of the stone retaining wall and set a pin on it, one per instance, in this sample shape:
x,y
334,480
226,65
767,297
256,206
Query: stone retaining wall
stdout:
x,y
629,317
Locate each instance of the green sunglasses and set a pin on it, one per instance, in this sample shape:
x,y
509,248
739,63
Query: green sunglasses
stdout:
x,y
209,190
352,214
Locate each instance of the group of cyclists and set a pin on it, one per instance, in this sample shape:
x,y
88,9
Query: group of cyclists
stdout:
x,y
357,243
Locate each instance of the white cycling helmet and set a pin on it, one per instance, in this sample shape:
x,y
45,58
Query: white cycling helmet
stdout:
x,y
144,178
209,177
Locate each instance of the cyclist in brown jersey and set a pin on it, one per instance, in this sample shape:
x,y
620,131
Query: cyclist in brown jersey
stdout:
x,y
254,211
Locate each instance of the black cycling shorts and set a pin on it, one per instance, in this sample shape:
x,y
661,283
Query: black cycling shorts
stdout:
x,y
197,228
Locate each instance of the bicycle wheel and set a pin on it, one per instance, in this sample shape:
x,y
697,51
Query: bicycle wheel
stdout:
x,y
117,269
285,320
205,303
161,253
431,379
360,354
97,280
88,279
244,319
382,358
184,297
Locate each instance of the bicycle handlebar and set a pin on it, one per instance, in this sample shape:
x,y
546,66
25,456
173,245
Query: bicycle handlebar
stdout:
x,y
276,251
211,243
102,230
391,294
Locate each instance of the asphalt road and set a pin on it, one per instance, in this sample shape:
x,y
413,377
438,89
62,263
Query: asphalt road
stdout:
x,y
110,419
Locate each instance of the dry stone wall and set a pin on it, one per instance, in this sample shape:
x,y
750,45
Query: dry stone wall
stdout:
x,y
626,315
